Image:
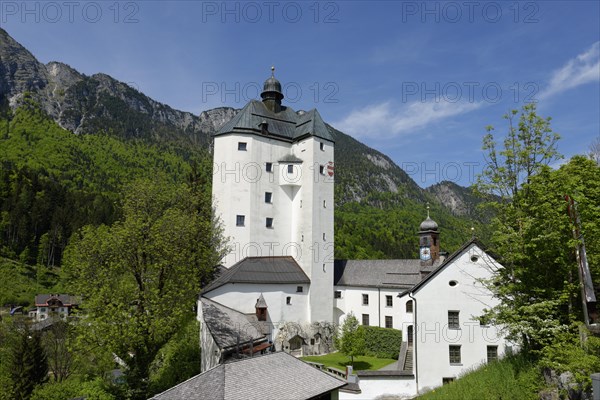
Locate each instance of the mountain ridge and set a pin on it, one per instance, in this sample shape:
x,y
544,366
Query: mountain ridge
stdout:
x,y
99,103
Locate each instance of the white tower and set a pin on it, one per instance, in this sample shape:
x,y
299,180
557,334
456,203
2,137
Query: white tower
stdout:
x,y
273,189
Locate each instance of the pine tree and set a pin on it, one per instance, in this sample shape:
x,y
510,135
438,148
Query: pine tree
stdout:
x,y
27,362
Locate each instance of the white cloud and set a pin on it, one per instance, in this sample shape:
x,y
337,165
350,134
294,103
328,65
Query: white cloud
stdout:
x,y
385,120
578,71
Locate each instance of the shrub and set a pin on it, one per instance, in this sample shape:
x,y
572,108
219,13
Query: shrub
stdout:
x,y
382,342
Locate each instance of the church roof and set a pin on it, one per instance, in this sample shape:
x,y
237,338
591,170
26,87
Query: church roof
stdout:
x,y
397,274
271,270
273,376
226,325
285,125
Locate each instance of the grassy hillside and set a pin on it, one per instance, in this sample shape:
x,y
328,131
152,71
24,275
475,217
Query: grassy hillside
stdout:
x,y
511,378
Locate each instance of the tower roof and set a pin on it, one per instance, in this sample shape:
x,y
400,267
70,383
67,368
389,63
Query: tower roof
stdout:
x,y
428,225
261,302
285,125
272,87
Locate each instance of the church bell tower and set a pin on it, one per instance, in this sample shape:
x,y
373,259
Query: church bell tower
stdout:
x,y
429,241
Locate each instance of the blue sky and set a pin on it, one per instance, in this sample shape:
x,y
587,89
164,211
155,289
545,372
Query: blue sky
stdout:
x,y
417,80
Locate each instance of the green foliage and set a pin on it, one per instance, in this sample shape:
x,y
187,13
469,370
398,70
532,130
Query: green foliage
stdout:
x,y
566,354
178,360
514,377
539,286
53,182
527,147
389,229
18,285
24,359
349,339
140,277
381,342
71,389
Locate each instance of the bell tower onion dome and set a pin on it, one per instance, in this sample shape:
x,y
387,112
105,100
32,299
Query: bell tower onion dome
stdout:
x,y
271,94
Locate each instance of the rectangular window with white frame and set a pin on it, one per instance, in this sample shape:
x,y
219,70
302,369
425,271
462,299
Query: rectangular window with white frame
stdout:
x,y
389,301
453,320
389,321
240,220
365,319
492,353
365,299
454,354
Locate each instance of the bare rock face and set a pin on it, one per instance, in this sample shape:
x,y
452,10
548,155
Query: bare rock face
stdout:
x,y
452,196
20,72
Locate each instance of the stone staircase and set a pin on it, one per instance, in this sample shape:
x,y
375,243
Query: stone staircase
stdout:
x,y
408,360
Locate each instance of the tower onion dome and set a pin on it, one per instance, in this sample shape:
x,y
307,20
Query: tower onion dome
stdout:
x,y
428,225
272,88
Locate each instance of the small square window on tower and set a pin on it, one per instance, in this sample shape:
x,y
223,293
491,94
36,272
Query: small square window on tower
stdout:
x,y
242,146
239,220
269,167
290,168
337,294
299,289
269,222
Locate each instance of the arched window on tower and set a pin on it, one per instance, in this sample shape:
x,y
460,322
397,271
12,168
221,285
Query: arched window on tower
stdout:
x,y
409,306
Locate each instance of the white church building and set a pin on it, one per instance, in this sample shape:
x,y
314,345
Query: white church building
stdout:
x,y
279,288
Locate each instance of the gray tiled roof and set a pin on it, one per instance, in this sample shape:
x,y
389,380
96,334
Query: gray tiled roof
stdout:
x,y
226,324
274,376
276,270
42,299
397,274
286,124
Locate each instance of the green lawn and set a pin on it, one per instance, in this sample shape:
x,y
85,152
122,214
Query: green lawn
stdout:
x,y
340,360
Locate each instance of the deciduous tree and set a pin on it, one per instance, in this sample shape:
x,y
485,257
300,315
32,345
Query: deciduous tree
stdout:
x,y
350,340
140,277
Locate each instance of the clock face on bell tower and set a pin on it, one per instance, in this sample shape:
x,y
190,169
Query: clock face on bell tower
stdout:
x,y
425,253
